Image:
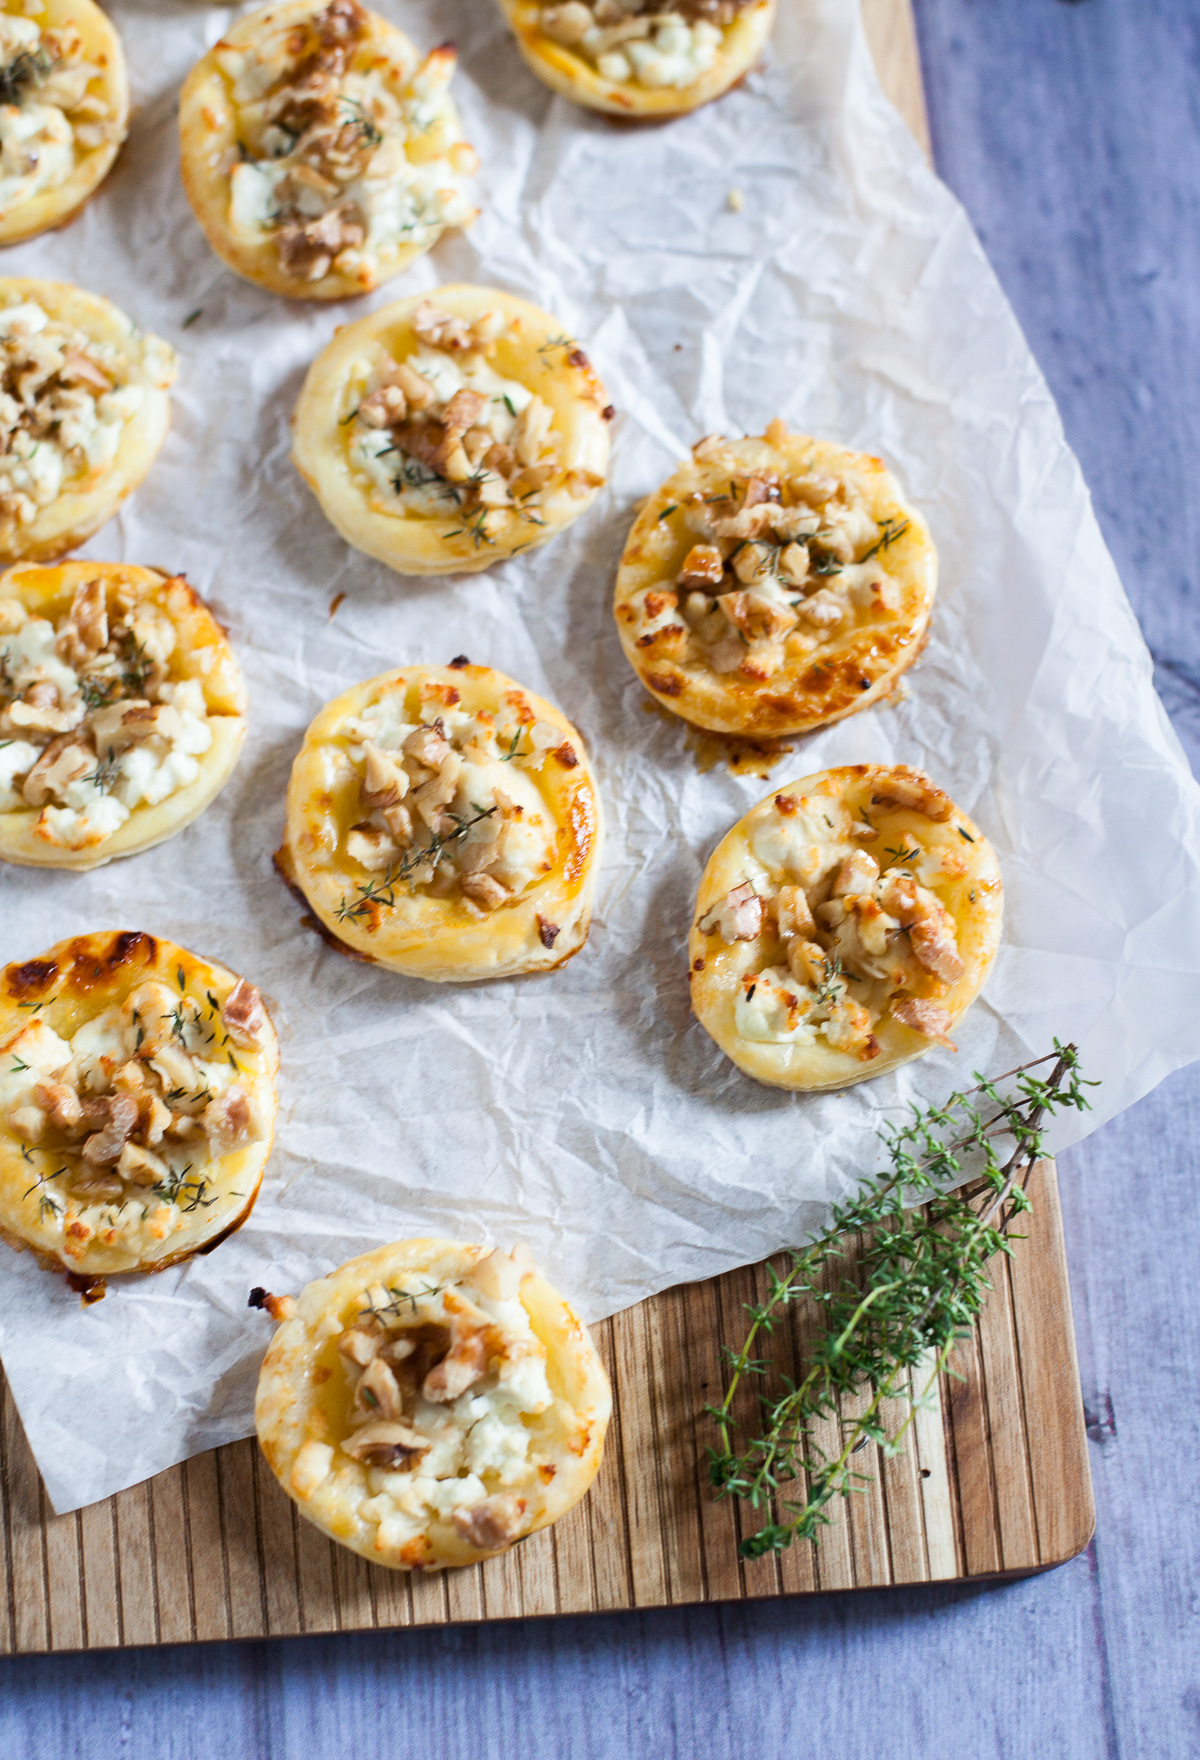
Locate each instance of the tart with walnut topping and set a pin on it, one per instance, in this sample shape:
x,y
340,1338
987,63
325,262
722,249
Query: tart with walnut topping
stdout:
x,y
122,711
137,1103
431,1403
444,435
64,111
444,822
83,412
773,585
321,154
641,57
842,927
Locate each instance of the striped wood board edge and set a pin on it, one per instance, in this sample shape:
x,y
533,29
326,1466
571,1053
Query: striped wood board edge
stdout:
x,y
994,1481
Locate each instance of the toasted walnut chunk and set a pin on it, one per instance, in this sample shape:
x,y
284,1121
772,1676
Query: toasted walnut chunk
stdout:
x,y
464,1364
389,1445
929,1018
492,1523
244,1016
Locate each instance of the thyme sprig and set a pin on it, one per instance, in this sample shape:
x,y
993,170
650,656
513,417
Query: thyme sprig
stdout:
x,y
383,892
887,1332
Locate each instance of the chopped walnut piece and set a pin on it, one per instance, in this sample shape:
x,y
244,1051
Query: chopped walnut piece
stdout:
x,y
118,726
442,330
929,1018
62,762
912,790
60,1102
86,630
244,1016
389,1445
702,567
792,912
229,1122
428,745
140,1166
486,890
738,917
360,1343
383,408
378,1393
492,1523
107,1143
416,388
464,1364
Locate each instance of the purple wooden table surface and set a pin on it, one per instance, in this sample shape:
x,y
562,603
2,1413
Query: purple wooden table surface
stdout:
x,y
1070,130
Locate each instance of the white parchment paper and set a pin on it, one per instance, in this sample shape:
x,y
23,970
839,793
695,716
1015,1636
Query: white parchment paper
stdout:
x,y
586,1112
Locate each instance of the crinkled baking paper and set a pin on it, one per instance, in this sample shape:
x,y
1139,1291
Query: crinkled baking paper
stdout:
x,y
586,1112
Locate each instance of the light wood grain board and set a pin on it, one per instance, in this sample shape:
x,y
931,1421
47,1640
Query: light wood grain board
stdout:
x,y
995,1480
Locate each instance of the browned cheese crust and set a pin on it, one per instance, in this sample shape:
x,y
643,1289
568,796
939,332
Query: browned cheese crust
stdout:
x,y
444,822
842,927
137,1103
774,585
570,46
429,1404
115,681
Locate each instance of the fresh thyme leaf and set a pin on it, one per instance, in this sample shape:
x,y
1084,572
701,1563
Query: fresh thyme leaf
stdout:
x,y
902,854
557,342
890,1312
24,71
964,834
832,984
825,564
102,775
891,529
191,318
181,978
17,1068
667,511
508,756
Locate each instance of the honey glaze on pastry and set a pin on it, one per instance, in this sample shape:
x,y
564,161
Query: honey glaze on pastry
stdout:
x,y
431,1403
773,585
842,927
321,154
641,57
443,436
64,110
137,1103
444,822
83,413
122,711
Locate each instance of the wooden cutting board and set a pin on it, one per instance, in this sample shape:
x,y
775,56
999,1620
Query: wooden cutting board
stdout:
x,y
995,1481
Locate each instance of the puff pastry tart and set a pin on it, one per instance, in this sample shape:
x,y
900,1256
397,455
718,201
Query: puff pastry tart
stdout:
x,y
842,927
64,110
641,57
321,154
137,1103
443,437
122,711
83,413
444,822
773,585
431,1403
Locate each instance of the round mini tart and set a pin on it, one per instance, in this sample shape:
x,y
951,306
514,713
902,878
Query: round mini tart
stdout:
x,y
842,927
83,414
641,58
137,1103
321,154
122,711
773,585
444,822
64,111
444,435
431,1403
